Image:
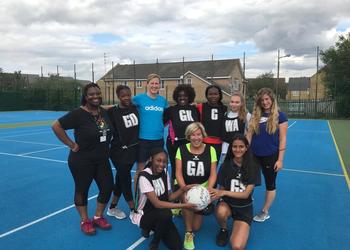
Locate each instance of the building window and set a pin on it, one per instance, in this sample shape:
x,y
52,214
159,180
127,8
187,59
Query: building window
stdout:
x,y
188,80
138,84
235,85
295,93
179,82
162,84
125,83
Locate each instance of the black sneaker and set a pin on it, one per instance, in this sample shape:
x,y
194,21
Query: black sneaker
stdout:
x,y
153,246
222,237
145,233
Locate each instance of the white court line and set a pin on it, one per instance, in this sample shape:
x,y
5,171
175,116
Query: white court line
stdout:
x,y
40,219
310,130
36,133
138,242
44,150
26,132
33,157
44,159
292,124
312,172
51,215
31,142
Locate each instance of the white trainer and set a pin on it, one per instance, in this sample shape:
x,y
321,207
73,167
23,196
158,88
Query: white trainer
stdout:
x,y
116,212
261,217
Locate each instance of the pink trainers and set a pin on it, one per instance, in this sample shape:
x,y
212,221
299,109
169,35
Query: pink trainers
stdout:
x,y
87,227
101,223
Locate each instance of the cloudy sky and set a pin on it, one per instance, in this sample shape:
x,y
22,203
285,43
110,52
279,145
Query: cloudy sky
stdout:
x,y
45,33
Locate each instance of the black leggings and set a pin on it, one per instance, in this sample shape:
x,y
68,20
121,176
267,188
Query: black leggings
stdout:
x,y
122,183
84,172
172,148
160,221
267,164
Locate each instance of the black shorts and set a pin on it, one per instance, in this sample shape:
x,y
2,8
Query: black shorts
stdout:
x,y
241,213
267,164
123,157
145,147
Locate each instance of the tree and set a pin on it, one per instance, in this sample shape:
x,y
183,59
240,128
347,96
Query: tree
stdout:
x,y
266,80
337,65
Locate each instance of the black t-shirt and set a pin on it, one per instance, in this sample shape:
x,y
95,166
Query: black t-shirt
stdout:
x,y
92,134
231,177
126,125
180,117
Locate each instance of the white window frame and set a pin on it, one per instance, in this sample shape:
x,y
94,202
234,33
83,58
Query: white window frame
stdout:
x,y
295,93
162,84
138,84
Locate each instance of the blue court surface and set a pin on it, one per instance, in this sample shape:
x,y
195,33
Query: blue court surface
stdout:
x,y
311,210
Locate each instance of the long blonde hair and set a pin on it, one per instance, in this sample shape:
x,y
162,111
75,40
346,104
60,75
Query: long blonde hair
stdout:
x,y
242,112
272,121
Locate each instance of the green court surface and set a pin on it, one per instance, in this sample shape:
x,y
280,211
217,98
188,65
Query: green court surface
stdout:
x,y
26,124
341,133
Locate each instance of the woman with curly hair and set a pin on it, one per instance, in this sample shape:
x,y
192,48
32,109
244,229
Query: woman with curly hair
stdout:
x,y
88,158
178,117
268,135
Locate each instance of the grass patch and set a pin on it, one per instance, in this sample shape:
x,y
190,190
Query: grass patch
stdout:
x,y
341,132
26,124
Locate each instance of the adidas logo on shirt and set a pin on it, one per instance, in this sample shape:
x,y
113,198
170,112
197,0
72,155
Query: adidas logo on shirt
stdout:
x,y
154,108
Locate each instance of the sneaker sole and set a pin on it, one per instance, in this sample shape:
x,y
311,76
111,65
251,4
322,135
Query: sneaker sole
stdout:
x,y
188,248
221,244
89,234
258,220
103,228
118,217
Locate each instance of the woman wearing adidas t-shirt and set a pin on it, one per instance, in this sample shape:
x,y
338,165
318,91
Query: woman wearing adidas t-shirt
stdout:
x,y
151,107
153,198
268,134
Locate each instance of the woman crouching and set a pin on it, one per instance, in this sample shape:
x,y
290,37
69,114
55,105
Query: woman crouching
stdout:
x,y
152,202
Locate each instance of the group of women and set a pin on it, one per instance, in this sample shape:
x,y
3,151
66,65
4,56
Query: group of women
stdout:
x,y
208,144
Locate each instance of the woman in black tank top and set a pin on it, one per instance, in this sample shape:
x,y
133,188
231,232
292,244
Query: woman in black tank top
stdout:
x,y
236,179
195,164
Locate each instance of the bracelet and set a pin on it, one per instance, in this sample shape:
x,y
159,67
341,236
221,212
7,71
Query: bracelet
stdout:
x,y
282,149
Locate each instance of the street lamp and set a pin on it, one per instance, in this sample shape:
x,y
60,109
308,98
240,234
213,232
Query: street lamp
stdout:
x,y
278,70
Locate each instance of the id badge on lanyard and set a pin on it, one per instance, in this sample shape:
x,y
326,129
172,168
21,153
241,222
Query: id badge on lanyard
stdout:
x,y
103,137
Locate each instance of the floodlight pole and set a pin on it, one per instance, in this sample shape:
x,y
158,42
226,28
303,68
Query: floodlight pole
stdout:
x,y
278,70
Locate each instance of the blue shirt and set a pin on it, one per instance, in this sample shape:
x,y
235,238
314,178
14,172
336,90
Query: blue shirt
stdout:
x,y
265,144
151,116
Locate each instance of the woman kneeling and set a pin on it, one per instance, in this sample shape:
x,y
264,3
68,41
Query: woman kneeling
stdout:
x,y
236,179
